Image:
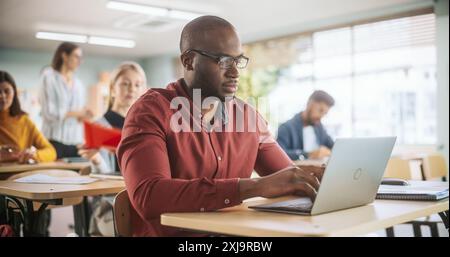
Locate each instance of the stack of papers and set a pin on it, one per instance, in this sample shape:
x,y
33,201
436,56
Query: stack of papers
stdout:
x,y
416,190
46,179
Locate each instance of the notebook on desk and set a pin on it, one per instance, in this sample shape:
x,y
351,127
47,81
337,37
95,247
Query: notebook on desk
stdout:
x,y
416,190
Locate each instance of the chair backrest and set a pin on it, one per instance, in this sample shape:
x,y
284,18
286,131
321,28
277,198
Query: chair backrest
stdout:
x,y
122,214
398,168
434,166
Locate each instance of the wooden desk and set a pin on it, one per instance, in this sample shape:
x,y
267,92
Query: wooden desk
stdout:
x,y
7,170
14,168
42,192
54,194
241,221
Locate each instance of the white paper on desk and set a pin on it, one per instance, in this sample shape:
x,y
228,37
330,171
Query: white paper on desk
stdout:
x,y
46,179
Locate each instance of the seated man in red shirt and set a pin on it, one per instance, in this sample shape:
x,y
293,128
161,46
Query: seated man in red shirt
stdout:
x,y
204,163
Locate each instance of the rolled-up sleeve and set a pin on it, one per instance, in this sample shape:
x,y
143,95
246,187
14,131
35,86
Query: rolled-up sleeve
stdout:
x,y
144,161
271,157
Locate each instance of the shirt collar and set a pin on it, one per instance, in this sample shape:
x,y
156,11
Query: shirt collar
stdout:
x,y
182,88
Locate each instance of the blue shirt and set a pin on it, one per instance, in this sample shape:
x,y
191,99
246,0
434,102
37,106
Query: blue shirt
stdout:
x,y
291,138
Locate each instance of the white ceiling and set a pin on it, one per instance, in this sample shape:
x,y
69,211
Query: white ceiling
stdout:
x,y
254,19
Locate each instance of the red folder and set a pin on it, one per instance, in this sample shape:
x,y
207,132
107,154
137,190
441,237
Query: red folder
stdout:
x,y
97,136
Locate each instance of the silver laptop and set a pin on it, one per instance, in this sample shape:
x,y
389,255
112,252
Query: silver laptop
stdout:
x,y
351,178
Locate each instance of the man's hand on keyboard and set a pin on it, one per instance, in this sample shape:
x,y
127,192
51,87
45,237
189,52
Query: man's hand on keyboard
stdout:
x,y
292,180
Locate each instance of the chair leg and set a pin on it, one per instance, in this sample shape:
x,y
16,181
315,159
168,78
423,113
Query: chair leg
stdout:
x,y
434,229
417,231
390,232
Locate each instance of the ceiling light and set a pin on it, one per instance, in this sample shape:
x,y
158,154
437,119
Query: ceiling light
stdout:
x,y
107,41
152,10
183,15
137,8
93,40
62,37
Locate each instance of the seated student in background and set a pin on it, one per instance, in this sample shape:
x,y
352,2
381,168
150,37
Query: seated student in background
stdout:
x,y
62,97
17,131
303,136
127,85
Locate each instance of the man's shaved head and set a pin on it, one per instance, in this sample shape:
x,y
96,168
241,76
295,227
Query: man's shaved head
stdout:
x,y
206,37
196,31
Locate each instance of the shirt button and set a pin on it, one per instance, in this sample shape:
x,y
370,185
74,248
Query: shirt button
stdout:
x,y
219,158
202,209
227,201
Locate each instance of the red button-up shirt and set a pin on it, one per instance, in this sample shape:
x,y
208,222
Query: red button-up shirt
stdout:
x,y
186,171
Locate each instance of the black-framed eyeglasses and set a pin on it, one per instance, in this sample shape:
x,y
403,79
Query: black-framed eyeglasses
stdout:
x,y
224,61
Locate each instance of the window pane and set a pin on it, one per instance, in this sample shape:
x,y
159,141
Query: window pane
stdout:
x,y
382,76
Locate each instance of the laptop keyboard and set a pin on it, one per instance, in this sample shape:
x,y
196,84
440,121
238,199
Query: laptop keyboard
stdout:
x,y
299,205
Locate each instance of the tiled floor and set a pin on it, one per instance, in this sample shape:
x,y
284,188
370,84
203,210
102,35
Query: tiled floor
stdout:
x,y
62,221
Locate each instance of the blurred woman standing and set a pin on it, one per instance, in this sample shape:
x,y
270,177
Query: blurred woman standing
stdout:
x,y
62,97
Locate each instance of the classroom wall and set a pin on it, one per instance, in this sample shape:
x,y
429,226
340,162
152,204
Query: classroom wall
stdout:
x,y
25,66
442,45
160,70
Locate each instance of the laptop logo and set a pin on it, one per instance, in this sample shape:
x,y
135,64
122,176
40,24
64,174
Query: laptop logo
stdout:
x,y
357,174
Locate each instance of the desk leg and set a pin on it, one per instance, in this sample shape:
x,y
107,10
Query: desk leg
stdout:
x,y
81,218
390,232
444,217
